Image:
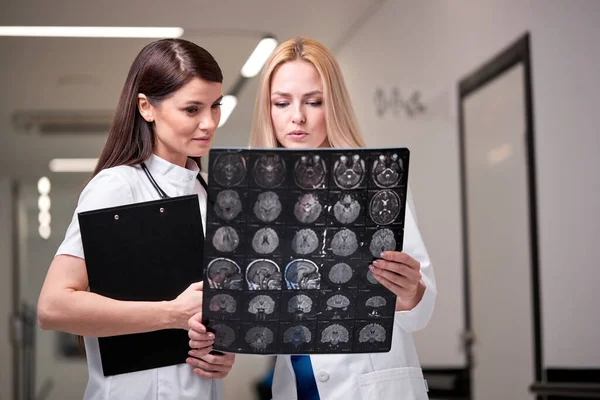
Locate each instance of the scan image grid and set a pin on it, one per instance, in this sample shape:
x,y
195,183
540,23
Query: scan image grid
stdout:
x,y
290,235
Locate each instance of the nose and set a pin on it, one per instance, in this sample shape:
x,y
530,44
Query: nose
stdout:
x,y
209,121
298,116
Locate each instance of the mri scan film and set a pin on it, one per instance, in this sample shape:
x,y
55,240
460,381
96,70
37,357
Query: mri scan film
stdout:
x,y
289,238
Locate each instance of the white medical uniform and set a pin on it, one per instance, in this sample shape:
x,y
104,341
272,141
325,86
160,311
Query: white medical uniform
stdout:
x,y
125,185
395,375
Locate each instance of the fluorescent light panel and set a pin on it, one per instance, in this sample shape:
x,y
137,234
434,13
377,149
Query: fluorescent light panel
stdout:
x,y
259,57
228,104
73,164
92,31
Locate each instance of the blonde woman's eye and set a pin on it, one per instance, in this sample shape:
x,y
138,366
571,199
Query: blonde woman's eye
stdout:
x,y
280,104
315,103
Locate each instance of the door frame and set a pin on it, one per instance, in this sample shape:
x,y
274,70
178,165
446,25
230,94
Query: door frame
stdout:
x,y
517,52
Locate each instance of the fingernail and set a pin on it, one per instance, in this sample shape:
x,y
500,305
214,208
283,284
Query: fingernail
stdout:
x,y
383,254
211,336
191,352
371,267
376,263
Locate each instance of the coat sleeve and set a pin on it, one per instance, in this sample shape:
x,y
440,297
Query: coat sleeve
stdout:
x,y
417,318
107,189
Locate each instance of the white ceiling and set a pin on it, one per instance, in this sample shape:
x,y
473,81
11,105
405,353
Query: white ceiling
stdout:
x,y
87,74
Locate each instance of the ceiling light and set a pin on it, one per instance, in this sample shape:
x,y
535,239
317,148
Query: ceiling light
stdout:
x,y
44,218
228,104
44,231
43,185
92,31
44,202
259,57
73,164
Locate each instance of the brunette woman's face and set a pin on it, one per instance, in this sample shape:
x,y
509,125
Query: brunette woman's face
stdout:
x,y
297,110
185,122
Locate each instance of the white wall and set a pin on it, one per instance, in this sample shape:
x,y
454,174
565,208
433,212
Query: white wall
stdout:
x,y
430,46
6,302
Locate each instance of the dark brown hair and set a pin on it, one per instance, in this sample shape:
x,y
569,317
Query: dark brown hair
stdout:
x,y
159,70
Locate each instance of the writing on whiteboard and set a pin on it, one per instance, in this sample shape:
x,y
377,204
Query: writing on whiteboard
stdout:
x,y
393,102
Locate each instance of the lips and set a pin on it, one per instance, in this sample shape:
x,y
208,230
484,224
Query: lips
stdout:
x,y
298,136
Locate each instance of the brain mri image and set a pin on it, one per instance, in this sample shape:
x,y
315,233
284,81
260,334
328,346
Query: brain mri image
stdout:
x,y
267,207
372,333
338,302
384,207
263,275
224,335
335,334
265,241
349,172
226,239
371,278
376,303
223,302
302,274
259,338
228,205
229,169
383,240
346,209
387,170
340,273
290,234
305,241
344,243
310,172
261,305
269,171
300,304
297,335
308,208
224,273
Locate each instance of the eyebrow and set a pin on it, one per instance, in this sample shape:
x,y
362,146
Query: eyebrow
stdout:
x,y
199,103
284,94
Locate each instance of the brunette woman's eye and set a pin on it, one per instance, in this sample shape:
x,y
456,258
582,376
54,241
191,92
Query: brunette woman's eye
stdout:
x,y
217,105
191,110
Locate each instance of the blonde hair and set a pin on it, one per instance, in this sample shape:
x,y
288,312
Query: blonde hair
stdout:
x,y
340,120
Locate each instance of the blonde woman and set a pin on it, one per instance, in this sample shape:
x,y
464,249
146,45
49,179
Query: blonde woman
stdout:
x,y
302,102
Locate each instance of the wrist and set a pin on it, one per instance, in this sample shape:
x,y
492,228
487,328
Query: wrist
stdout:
x,y
407,304
170,314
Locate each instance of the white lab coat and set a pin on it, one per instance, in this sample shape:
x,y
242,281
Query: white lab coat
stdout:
x,y
395,375
126,185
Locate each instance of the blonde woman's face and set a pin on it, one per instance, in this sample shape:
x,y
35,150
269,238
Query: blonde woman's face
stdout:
x,y
297,109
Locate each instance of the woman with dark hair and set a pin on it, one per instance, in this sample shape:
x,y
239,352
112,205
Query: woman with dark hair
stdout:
x,y
166,118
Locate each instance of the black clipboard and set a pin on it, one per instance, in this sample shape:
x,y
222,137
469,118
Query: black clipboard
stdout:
x,y
148,251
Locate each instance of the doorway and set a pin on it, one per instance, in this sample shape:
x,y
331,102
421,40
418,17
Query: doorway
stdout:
x,y
501,267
